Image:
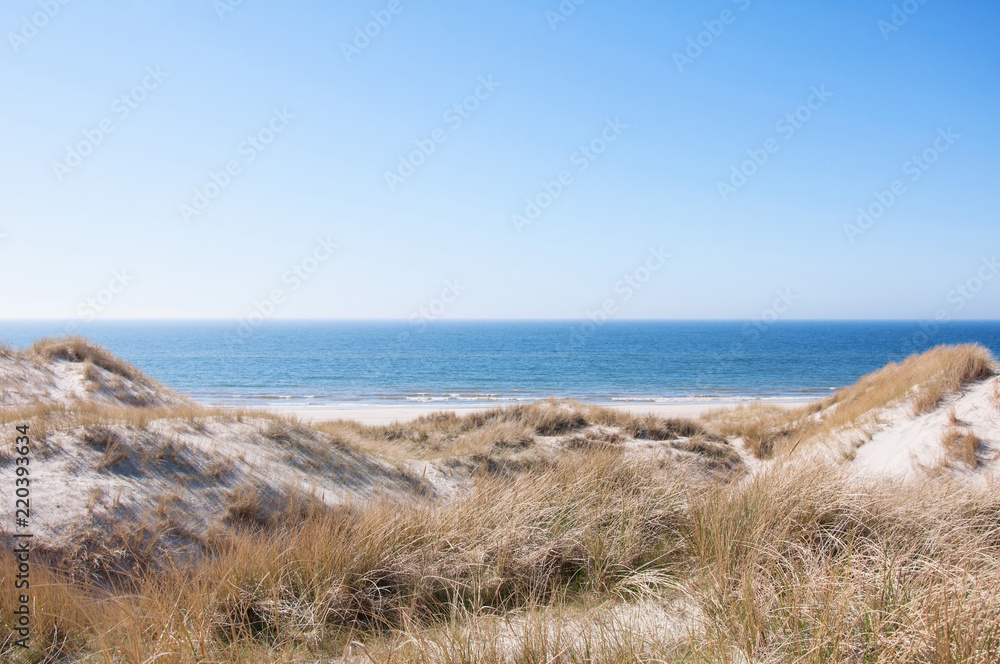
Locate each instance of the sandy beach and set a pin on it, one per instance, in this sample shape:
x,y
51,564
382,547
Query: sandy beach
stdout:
x,y
389,414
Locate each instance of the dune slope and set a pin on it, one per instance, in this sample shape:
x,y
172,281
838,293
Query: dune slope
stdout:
x,y
550,531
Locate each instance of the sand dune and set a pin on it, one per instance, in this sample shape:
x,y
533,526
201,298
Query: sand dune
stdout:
x,y
64,372
130,479
103,460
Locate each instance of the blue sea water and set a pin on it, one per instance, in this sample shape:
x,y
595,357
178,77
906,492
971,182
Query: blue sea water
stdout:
x,y
353,363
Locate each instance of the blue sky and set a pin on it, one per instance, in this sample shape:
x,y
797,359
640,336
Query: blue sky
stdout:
x,y
619,100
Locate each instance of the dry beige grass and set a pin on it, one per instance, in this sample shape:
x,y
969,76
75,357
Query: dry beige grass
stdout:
x,y
939,372
793,566
248,506
63,416
433,437
78,349
58,370
113,449
589,526
956,366
962,446
558,558
924,380
514,430
763,428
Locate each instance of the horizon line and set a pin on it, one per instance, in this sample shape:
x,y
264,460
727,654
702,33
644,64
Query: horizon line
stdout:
x,y
493,320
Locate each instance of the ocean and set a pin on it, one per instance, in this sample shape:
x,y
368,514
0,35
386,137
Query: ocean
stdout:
x,y
314,363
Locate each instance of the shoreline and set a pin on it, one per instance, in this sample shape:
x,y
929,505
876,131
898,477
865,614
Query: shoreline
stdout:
x,y
380,415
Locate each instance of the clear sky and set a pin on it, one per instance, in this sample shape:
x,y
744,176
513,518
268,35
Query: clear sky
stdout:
x,y
621,121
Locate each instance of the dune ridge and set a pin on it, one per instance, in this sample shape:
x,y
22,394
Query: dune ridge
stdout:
x,y
861,527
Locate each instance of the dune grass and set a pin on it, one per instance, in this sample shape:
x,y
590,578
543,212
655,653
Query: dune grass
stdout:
x,y
105,376
940,372
794,565
763,428
594,555
79,349
923,381
589,526
446,434
962,446
46,417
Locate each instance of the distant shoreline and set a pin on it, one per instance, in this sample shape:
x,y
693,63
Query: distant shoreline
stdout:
x,y
378,415
314,402
462,365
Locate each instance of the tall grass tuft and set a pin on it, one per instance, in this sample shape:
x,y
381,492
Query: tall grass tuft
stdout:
x,y
923,381
962,446
78,349
791,565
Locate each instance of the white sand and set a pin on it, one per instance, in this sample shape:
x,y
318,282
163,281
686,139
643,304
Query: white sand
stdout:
x,y
167,476
390,414
26,381
901,444
182,472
